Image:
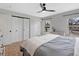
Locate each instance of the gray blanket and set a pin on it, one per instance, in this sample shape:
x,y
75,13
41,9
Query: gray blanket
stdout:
x,y
58,47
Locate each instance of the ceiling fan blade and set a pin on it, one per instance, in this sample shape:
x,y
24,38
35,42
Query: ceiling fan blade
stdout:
x,y
50,10
41,5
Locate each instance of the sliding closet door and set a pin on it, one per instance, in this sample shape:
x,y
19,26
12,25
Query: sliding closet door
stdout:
x,y
17,29
13,29
26,29
20,29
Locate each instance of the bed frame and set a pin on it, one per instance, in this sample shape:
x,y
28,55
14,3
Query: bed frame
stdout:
x,y
24,51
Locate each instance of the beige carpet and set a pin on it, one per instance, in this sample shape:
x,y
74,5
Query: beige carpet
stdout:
x,y
13,49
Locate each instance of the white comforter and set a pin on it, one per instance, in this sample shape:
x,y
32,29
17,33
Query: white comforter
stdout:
x,y
33,43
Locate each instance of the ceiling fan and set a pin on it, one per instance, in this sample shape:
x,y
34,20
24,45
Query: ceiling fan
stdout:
x,y
43,7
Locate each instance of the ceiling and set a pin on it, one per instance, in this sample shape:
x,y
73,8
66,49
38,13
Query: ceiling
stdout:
x,y
32,8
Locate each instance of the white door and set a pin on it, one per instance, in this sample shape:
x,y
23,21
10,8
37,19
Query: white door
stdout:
x,y
17,29
20,29
26,29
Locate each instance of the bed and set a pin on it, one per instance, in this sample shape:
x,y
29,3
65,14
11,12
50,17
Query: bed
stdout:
x,y
49,45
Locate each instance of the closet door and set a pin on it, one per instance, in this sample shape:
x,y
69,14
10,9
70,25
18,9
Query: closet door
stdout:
x,y
17,29
26,29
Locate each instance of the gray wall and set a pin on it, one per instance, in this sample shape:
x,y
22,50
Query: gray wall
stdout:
x,y
60,21
61,25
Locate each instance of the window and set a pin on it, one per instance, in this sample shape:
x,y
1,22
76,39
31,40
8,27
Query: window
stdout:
x,y
74,25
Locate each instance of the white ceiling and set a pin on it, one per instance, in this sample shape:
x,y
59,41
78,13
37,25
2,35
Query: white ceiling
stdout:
x,y
32,8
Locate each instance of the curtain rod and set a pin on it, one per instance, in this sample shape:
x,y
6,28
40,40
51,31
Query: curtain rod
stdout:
x,y
20,17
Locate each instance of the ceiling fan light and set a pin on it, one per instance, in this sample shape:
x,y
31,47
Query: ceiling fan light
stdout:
x,y
43,11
